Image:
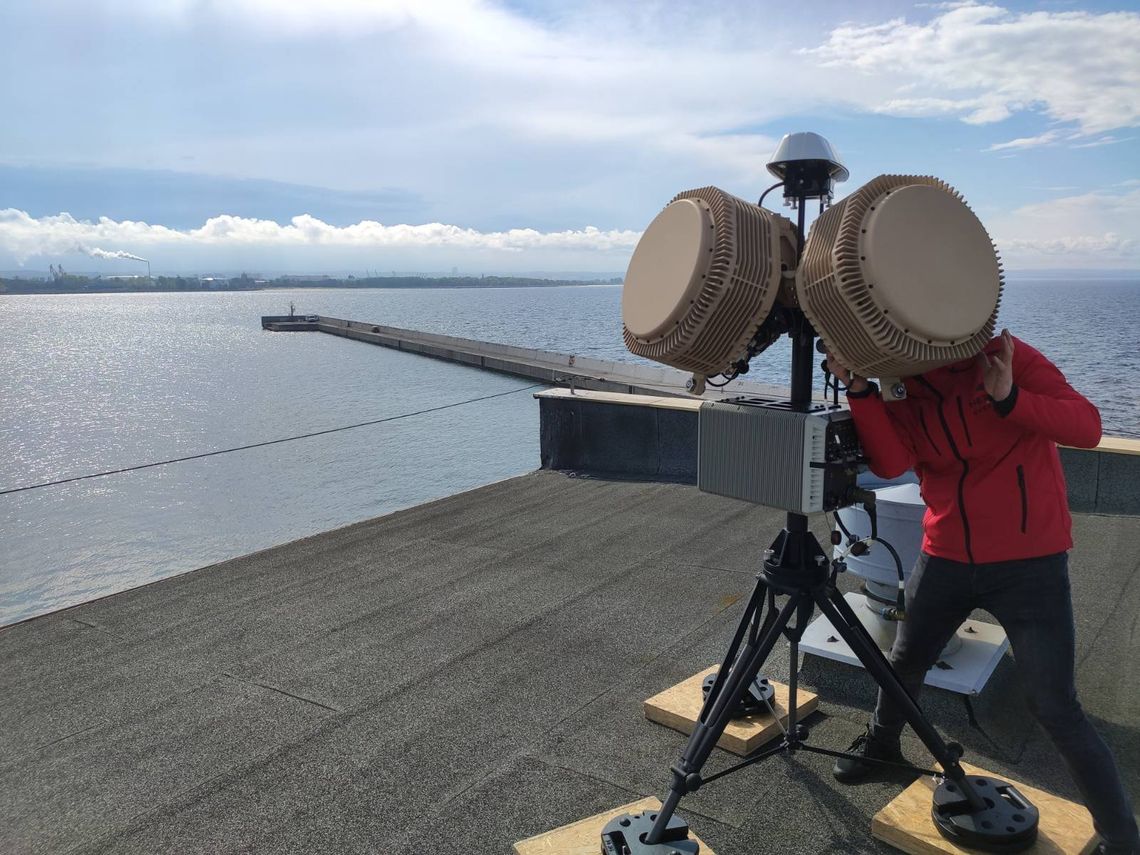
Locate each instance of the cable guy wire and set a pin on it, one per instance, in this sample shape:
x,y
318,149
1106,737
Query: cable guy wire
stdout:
x,y
269,441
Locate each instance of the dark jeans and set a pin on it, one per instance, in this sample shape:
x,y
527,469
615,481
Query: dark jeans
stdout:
x,y
1031,600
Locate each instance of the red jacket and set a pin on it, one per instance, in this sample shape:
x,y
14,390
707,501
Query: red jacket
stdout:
x,y
989,473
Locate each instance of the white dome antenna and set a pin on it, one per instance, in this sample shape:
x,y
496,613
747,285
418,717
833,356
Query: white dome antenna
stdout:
x,y
808,165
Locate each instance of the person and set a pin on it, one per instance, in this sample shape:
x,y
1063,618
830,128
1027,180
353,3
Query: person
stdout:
x,y
982,435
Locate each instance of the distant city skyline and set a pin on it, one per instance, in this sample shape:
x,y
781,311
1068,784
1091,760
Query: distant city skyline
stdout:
x,y
524,136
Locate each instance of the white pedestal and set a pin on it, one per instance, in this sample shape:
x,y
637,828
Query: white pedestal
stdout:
x,y
965,672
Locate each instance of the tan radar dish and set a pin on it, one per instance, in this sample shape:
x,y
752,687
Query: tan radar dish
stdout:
x,y
702,280
900,277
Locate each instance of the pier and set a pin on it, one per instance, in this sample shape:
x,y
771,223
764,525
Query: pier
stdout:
x,y
557,369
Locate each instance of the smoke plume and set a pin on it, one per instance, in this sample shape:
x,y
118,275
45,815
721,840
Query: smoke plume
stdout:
x,y
118,253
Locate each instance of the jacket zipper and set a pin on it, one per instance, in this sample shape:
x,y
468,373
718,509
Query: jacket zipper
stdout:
x,y
965,427
960,459
926,430
1024,497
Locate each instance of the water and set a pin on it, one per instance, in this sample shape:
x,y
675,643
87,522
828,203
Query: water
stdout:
x,y
91,383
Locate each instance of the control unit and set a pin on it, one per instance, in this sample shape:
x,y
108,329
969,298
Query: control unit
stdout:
x,y
763,451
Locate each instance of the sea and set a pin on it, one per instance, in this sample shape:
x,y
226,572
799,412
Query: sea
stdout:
x,y
91,383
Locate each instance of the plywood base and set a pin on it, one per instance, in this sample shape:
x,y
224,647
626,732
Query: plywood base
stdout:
x,y
679,707
585,836
1065,828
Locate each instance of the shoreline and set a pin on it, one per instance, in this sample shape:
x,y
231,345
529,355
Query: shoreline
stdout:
x,y
193,284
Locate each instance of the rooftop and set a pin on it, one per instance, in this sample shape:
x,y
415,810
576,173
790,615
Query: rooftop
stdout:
x,y
464,674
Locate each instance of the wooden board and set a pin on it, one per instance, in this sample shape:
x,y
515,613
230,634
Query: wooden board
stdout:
x,y
679,707
1065,828
585,836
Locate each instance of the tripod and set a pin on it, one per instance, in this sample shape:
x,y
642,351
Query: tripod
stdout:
x,y
976,811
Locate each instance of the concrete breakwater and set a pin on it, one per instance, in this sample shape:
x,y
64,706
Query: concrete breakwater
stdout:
x,y
558,369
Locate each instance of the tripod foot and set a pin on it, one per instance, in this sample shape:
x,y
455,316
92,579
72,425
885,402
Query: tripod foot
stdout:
x,y
1007,824
625,835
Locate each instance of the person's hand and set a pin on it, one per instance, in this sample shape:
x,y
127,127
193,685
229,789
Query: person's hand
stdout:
x,y
843,374
997,370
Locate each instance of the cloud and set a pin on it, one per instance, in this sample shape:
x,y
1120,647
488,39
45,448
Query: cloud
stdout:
x,y
1075,245
1108,140
266,88
24,236
295,18
982,64
1027,142
552,113
495,113
1100,229
681,80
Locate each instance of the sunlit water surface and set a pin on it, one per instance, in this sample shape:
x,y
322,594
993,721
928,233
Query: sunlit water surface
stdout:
x,y
92,383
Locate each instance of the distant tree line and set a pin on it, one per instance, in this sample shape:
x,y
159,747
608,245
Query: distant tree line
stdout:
x,y
73,284
431,282
77,284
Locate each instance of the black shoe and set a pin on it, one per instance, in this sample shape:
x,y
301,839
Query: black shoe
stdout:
x,y
1106,849
848,770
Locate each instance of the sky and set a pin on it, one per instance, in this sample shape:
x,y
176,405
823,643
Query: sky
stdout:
x,y
539,135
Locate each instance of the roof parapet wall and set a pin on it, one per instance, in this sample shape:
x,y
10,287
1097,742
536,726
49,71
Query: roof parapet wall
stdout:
x,y
655,438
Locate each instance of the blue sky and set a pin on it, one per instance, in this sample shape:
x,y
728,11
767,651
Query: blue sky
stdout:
x,y
286,135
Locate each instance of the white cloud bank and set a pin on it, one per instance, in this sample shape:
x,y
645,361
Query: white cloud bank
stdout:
x,y
25,237
1099,230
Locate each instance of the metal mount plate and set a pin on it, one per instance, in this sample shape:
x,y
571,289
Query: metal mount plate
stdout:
x,y
1008,824
625,835
757,699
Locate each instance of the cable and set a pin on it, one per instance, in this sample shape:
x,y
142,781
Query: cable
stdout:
x,y
842,527
900,599
268,441
899,611
766,192
871,508
727,379
831,384
872,511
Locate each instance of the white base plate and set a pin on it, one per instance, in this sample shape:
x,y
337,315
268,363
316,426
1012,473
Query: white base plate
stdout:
x,y
970,667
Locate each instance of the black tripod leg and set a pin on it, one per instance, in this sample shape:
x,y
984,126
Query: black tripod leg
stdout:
x,y
715,717
847,624
716,714
803,615
749,623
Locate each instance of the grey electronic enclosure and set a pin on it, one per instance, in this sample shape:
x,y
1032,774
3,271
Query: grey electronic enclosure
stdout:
x,y
764,451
